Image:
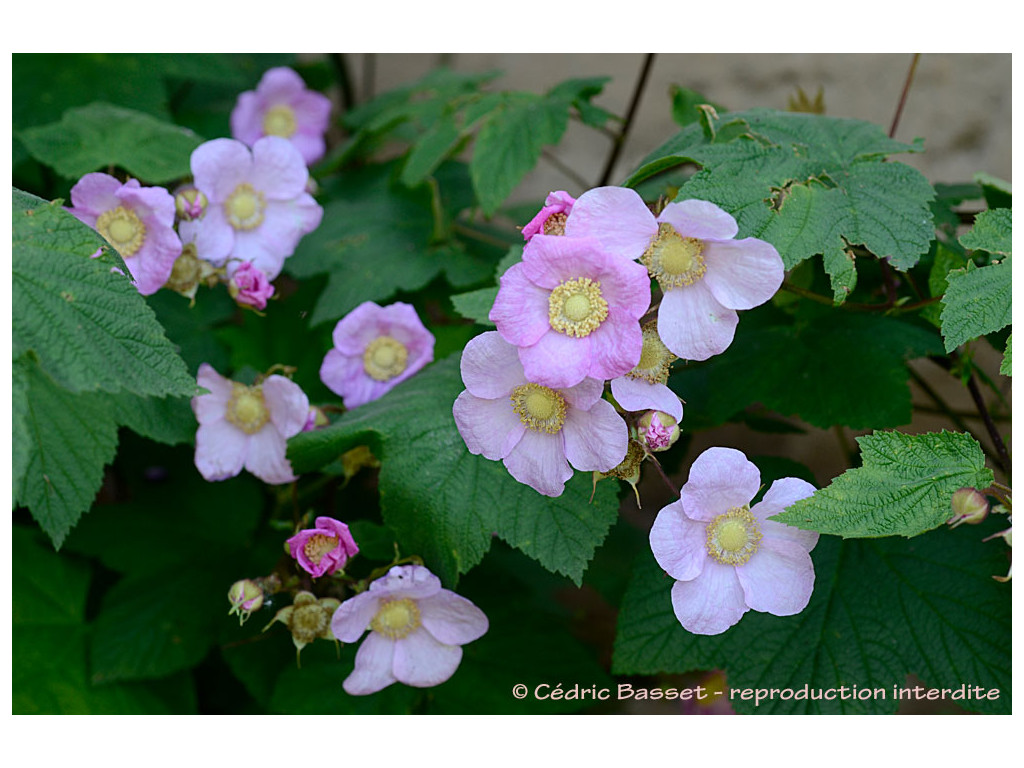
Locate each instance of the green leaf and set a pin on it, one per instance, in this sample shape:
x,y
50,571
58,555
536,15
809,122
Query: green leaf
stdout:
x,y
89,328
903,488
444,503
808,184
685,102
99,135
431,149
510,144
1004,367
373,242
21,438
476,305
839,368
992,232
881,609
71,438
165,419
946,260
977,301
998,192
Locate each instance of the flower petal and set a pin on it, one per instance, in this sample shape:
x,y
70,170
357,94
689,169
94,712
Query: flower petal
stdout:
x,y
778,578
353,617
539,462
584,394
742,274
520,309
422,662
784,492
595,440
211,407
693,324
278,170
288,404
641,395
93,194
616,346
373,668
490,366
219,166
220,450
557,360
617,217
679,543
214,237
700,219
452,619
549,260
710,603
489,427
720,479
267,457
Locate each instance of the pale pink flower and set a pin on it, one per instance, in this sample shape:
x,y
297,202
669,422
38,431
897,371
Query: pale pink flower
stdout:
x,y
257,205
282,106
375,349
249,286
417,630
247,426
536,431
573,309
550,220
726,556
704,273
137,221
323,549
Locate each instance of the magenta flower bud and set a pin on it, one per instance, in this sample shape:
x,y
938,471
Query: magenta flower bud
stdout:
x,y
245,597
189,203
250,287
969,506
658,431
316,419
550,220
323,549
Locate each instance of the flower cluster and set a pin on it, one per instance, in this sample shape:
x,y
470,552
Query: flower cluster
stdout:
x,y
577,313
240,216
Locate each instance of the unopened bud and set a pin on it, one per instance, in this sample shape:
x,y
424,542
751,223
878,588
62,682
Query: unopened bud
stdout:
x,y
249,286
316,419
189,203
657,430
969,506
245,597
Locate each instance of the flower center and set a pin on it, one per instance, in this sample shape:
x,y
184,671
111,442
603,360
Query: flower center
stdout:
x,y
555,224
655,358
385,358
308,622
244,207
123,229
576,307
319,545
674,260
279,121
540,408
734,536
396,618
247,409
186,271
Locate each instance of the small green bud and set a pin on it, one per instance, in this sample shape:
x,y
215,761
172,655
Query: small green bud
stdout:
x,y
245,597
969,506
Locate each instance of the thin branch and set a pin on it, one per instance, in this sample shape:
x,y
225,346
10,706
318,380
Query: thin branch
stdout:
x,y
578,180
369,75
903,95
854,306
348,98
620,139
849,454
990,425
665,477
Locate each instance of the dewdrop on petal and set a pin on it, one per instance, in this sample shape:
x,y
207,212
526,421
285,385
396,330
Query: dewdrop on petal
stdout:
x,y
308,619
969,506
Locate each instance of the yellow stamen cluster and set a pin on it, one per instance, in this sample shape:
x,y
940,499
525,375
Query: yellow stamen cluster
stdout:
x,y
385,358
655,358
319,545
247,409
279,121
555,224
629,468
540,408
674,260
576,307
245,207
733,536
123,229
395,619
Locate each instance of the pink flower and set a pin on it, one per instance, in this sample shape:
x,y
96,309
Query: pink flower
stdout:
x,y
247,426
375,349
536,431
137,221
726,556
282,106
417,630
323,549
550,220
250,287
704,273
257,205
573,309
